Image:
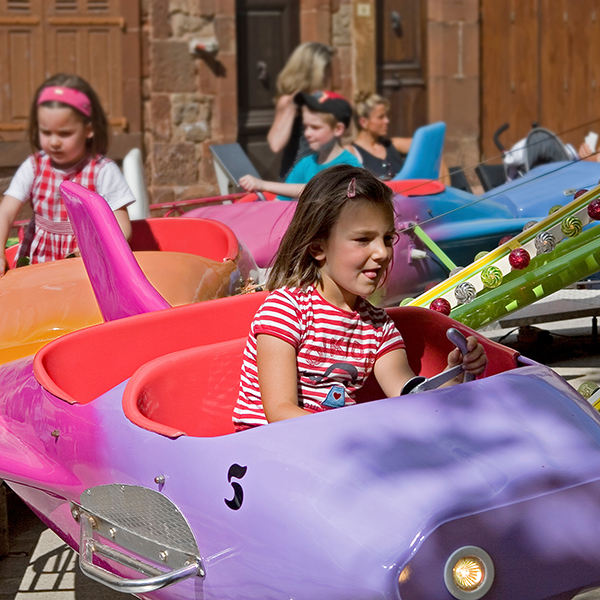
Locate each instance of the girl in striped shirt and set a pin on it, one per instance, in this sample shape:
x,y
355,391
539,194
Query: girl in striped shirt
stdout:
x,y
68,131
316,339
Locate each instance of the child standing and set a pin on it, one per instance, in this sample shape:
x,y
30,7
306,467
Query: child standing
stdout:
x,y
316,339
325,116
69,134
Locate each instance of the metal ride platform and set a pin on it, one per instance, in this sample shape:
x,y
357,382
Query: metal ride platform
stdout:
x,y
566,304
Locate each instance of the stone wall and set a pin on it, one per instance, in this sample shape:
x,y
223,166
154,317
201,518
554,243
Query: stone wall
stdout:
x,y
190,96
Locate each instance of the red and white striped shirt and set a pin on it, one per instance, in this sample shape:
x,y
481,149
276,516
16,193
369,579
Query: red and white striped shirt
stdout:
x,y
336,350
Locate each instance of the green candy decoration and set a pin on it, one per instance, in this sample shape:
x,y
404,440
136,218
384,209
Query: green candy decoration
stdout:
x,y
571,226
406,301
480,255
491,277
587,388
555,208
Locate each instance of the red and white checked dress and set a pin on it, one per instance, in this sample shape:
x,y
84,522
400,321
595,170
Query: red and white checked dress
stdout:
x,y
49,235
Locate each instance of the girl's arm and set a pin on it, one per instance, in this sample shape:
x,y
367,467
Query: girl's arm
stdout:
x,y
278,378
9,209
392,370
281,130
124,222
252,184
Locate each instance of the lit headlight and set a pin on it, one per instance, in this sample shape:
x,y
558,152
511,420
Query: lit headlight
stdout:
x,y
469,573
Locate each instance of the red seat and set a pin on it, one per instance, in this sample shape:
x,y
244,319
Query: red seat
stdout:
x,y
416,187
194,391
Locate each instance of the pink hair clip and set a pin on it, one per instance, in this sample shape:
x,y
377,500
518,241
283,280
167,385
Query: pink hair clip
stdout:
x,y
351,188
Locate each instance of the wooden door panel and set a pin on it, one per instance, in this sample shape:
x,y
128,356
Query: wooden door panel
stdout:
x,y
400,63
539,63
569,97
21,45
267,33
84,37
509,67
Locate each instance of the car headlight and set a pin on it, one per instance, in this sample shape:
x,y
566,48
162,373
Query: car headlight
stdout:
x,y
469,573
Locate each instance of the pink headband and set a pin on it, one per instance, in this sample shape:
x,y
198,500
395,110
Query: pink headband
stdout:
x,y
66,95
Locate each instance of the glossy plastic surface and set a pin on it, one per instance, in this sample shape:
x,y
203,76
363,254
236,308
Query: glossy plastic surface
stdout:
x,y
194,391
425,154
180,261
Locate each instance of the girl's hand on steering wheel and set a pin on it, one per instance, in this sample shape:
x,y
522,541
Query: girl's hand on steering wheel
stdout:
x,y
474,362
252,184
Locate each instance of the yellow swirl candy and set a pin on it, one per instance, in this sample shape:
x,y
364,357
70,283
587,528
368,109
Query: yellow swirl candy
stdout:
x,y
491,277
571,226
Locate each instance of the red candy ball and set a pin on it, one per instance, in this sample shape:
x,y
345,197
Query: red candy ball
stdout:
x,y
519,258
594,209
504,240
441,305
579,193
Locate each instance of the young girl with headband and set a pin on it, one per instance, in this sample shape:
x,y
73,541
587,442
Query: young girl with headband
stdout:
x,y
316,338
69,135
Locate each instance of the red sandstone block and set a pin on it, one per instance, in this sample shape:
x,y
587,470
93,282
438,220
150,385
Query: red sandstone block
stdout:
x,y
159,15
160,117
175,164
207,78
160,195
225,32
173,67
453,10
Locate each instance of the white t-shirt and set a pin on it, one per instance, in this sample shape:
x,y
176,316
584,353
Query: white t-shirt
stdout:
x,y
110,184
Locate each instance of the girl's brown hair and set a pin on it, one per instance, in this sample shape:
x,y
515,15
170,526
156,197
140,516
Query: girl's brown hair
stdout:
x,y
98,143
305,70
319,208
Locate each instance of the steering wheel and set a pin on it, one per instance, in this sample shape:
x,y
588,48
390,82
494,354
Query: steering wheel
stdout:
x,y
422,384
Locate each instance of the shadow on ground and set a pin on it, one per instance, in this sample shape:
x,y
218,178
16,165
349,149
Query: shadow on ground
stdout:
x,y
39,566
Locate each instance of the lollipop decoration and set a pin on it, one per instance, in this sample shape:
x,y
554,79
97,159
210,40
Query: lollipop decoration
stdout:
x,y
505,239
465,292
441,305
455,271
587,388
571,226
545,242
480,255
554,208
593,209
491,277
519,258
529,224
578,193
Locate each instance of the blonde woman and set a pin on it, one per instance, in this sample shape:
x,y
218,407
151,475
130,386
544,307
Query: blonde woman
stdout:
x,y
308,70
381,155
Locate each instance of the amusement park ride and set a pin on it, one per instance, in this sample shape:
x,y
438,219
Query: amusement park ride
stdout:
x,y
119,435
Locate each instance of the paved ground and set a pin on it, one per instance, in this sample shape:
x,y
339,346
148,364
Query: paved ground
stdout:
x,y
41,567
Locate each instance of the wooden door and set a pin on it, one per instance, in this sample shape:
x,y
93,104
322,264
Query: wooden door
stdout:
x,y
21,63
401,39
539,64
267,33
96,39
